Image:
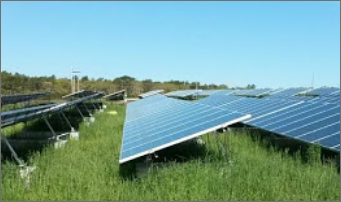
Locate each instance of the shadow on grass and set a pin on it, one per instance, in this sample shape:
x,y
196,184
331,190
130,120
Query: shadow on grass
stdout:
x,y
308,153
181,153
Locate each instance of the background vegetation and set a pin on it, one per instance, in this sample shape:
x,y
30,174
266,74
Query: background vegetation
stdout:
x,y
14,83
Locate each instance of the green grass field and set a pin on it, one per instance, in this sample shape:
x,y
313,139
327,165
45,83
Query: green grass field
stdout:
x,y
88,169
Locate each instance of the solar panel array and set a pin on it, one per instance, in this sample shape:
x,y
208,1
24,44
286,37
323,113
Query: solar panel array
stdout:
x,y
215,92
310,119
183,93
150,93
80,94
253,92
310,122
115,94
158,122
13,99
324,92
20,115
289,92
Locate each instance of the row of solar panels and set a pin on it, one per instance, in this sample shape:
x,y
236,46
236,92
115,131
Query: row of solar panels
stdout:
x,y
13,99
19,98
258,92
158,121
12,117
310,119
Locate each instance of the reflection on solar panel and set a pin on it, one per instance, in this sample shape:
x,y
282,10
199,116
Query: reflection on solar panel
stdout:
x,y
13,99
289,92
324,91
11,118
118,94
160,122
254,92
310,122
183,93
150,93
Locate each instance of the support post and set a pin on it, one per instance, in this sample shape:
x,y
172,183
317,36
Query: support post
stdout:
x,y
87,109
73,134
80,112
24,170
93,105
50,127
58,142
13,153
67,121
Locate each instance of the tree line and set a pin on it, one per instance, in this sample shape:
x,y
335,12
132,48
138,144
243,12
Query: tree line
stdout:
x,y
15,83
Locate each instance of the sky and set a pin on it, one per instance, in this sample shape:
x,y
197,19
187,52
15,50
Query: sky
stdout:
x,y
270,44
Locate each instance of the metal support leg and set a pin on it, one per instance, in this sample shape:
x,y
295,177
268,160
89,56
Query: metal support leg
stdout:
x,y
58,142
61,120
67,121
24,170
80,112
50,127
14,154
87,109
99,106
93,105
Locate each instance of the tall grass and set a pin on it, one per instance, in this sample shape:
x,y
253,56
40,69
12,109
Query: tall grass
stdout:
x,y
88,169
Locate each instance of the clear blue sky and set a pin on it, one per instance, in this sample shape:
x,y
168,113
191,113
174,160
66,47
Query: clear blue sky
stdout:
x,y
271,44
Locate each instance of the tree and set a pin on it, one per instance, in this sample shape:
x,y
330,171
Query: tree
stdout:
x,y
84,78
147,85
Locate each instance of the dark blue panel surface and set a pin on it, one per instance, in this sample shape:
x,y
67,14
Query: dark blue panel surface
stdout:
x,y
151,127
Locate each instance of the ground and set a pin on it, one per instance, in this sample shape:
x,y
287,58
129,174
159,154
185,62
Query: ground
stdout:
x,y
88,169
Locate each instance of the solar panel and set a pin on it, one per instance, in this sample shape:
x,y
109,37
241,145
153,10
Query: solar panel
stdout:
x,y
79,94
161,122
13,99
115,94
310,122
255,106
289,92
218,100
253,92
214,92
20,117
324,91
24,110
183,93
150,93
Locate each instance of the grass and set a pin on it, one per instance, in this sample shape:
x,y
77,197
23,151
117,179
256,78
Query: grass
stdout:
x,y
88,169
